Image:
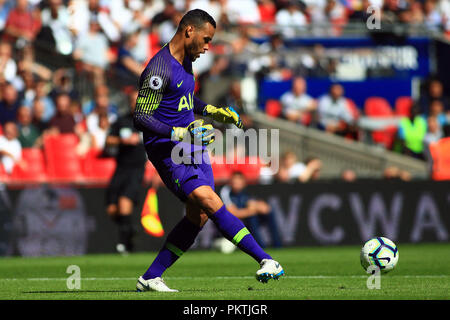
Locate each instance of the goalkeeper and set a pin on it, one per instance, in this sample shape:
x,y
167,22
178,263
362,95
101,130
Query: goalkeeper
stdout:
x,y
165,113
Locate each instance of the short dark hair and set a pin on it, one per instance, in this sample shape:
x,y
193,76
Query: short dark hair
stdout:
x,y
196,18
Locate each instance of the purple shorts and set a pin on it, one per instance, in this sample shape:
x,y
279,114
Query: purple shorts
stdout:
x,y
181,178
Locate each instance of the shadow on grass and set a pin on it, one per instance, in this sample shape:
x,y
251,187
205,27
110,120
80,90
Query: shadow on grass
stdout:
x,y
81,291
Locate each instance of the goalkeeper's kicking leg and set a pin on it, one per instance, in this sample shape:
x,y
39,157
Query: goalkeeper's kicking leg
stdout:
x,y
204,203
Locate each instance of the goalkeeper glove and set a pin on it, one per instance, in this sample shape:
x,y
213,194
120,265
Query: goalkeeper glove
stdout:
x,y
224,115
196,132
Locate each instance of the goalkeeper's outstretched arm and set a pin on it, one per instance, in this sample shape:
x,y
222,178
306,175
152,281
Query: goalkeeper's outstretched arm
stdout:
x,y
144,121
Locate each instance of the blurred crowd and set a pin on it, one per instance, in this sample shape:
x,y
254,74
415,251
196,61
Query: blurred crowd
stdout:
x,y
66,64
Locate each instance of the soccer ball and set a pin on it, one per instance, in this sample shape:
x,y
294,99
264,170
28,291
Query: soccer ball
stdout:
x,y
380,252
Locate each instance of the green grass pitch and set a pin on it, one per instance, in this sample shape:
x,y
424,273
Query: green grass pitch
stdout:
x,y
423,272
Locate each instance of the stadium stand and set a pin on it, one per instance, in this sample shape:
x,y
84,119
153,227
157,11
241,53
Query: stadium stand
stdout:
x,y
379,107
260,49
403,106
63,164
440,152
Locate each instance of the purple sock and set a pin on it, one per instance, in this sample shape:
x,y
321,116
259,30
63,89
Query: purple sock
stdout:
x,y
178,241
234,230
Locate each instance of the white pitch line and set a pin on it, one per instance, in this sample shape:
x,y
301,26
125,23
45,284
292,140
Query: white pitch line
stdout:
x,y
223,278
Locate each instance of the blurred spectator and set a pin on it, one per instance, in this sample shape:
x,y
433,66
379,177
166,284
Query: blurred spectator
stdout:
x,y
315,63
393,173
291,170
215,83
233,98
213,7
85,10
267,11
10,149
348,175
9,103
167,12
92,51
22,24
243,51
28,91
76,112
336,15
439,159
123,191
63,83
298,106
5,7
253,213
266,173
150,9
101,90
432,17
147,45
28,133
126,15
437,110
333,112
390,11
62,121
412,131
291,20
274,45
57,17
270,60
8,67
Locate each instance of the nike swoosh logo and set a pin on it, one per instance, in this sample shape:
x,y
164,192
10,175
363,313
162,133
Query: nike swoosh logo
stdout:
x,y
277,265
179,84
387,258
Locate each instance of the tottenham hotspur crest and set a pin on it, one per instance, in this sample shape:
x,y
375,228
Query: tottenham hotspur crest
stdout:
x,y
155,82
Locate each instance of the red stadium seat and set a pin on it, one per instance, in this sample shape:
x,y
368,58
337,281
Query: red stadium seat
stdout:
x,y
403,106
63,163
273,108
440,153
251,169
379,107
221,170
33,167
150,171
